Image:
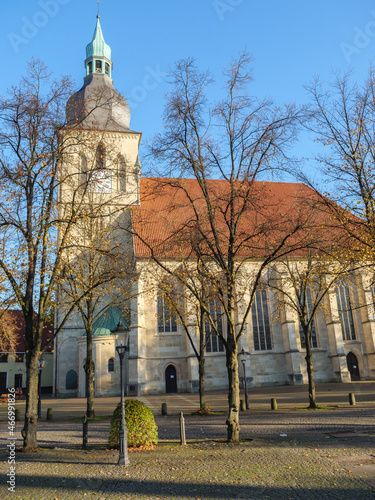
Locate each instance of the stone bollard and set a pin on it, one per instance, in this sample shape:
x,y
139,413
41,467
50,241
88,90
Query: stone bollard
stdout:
x,y
182,429
273,404
49,413
17,415
352,398
164,409
242,405
85,432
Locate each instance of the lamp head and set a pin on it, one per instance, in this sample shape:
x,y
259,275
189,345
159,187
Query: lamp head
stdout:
x,y
242,354
124,332
121,349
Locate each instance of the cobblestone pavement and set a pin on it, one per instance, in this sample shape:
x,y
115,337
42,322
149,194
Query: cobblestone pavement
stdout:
x,y
259,398
291,454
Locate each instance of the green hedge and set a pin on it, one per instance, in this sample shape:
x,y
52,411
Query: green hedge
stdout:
x,y
140,422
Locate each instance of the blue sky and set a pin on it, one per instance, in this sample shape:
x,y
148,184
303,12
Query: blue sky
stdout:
x,y
291,42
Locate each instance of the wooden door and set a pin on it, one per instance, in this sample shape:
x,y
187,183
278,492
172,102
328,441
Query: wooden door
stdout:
x,y
170,379
3,382
352,362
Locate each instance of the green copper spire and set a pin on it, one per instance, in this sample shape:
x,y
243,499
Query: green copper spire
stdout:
x,y
98,54
98,47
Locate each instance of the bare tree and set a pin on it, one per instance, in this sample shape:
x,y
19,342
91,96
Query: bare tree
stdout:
x,y
302,286
37,158
229,223
344,124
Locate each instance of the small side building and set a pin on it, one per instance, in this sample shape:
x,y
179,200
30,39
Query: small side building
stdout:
x,y
13,363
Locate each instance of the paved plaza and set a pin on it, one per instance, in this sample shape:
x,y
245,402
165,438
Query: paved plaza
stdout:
x,y
291,453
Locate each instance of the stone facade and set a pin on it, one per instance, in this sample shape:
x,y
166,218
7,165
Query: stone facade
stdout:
x,y
152,352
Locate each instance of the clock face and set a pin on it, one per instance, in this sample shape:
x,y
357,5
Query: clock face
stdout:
x,y
101,181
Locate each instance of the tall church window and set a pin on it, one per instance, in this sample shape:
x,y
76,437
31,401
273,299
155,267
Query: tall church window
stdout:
x,y
100,157
137,176
166,316
309,306
90,67
122,173
213,341
101,178
345,311
373,296
83,176
106,68
111,365
261,322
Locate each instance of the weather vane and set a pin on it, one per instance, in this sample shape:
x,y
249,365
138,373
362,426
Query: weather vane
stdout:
x,y
98,2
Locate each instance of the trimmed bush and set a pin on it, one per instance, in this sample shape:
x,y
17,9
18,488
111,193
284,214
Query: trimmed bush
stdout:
x,y
140,422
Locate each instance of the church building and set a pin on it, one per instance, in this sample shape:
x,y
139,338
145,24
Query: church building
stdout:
x,y
160,357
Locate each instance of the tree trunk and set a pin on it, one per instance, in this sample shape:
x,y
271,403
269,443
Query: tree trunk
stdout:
x,y
202,397
310,370
29,431
233,426
202,362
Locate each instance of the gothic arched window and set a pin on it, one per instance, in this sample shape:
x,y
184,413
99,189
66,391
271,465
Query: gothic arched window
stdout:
x,y
166,315
213,341
261,322
308,307
111,365
121,173
83,170
100,157
345,310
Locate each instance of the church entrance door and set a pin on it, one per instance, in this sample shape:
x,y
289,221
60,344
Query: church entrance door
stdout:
x,y
170,379
352,362
3,382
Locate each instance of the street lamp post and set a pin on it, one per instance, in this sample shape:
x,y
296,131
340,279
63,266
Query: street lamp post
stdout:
x,y
40,368
123,435
243,356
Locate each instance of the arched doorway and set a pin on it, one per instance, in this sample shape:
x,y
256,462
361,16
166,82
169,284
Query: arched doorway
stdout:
x,y
71,380
170,379
352,362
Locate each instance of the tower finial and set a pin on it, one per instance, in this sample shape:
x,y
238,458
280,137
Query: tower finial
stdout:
x,y
98,2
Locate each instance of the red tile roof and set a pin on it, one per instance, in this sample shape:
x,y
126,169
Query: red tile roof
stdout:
x,y
15,318
165,220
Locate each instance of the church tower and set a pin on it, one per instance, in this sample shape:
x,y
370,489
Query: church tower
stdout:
x,y
102,177
109,159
